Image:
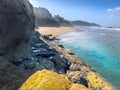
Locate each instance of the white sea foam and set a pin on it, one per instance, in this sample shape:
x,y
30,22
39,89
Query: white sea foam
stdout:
x,y
66,40
106,28
103,34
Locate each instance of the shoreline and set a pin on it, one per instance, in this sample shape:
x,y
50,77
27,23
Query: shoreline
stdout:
x,y
55,31
95,81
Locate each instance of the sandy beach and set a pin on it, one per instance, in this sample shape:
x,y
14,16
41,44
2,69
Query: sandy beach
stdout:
x,y
55,31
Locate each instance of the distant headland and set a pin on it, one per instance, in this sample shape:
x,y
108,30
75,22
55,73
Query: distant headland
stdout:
x,y
45,18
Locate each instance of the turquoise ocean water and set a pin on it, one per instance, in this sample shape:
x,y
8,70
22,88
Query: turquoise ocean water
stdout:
x,y
99,47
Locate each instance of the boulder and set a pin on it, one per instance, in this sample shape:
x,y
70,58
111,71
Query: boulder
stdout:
x,y
97,82
11,77
77,77
49,80
78,87
16,24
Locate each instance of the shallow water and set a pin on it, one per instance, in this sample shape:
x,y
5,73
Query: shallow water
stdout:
x,y
99,47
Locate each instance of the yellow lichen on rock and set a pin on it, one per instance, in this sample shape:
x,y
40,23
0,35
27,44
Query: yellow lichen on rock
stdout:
x,y
95,81
78,87
46,80
49,80
69,51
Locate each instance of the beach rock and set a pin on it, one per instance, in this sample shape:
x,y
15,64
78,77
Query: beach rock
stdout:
x,y
69,51
61,65
50,35
49,80
16,24
46,80
51,58
77,77
98,82
78,87
44,54
59,45
43,63
99,88
29,64
75,67
11,77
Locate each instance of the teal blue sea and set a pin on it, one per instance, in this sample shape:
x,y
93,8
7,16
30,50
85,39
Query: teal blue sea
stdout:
x,y
99,47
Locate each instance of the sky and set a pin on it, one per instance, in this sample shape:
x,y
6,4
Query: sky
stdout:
x,y
103,12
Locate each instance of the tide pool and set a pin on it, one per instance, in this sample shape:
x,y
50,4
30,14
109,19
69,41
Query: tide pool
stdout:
x,y
99,47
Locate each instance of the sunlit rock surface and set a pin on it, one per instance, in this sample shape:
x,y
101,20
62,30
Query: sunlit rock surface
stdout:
x,y
98,83
81,73
16,24
48,80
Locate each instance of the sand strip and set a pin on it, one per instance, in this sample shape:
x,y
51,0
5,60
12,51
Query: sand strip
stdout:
x,y
55,31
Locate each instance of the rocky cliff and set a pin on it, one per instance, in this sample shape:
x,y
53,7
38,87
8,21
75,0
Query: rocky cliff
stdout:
x,y
62,22
44,18
16,24
22,53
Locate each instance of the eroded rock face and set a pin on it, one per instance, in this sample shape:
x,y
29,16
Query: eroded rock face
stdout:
x,y
16,24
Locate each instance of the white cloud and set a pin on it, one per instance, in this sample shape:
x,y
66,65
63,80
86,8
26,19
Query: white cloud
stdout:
x,y
116,9
114,12
109,10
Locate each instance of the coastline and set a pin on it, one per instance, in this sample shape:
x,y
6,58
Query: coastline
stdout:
x,y
94,79
55,31
77,66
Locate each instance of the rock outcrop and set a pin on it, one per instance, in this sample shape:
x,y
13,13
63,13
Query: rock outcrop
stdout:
x,y
22,53
81,73
16,24
62,22
44,18
48,80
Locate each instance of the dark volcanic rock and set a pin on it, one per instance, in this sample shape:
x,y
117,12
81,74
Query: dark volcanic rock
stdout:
x,y
16,24
11,77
